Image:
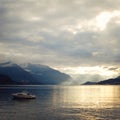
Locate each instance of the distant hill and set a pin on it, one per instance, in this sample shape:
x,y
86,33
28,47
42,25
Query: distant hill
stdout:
x,y
113,81
30,74
89,83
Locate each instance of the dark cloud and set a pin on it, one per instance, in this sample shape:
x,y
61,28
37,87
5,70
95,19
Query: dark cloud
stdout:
x,y
113,68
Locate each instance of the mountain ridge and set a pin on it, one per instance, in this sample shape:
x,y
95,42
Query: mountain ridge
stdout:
x,y
32,73
112,81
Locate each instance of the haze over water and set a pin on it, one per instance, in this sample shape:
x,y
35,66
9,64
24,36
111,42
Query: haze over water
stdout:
x,y
61,103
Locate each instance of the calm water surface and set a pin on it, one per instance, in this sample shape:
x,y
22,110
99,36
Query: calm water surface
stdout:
x,y
61,103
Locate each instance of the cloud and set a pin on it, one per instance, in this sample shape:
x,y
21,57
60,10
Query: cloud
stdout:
x,y
61,32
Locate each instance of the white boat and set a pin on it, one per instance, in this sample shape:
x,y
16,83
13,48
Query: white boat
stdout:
x,y
23,95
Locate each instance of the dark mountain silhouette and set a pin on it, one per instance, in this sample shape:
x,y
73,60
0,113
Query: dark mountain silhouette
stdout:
x,y
30,74
5,80
16,73
113,81
89,83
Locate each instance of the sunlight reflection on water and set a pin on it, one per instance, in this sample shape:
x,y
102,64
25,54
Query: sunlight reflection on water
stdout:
x,y
88,96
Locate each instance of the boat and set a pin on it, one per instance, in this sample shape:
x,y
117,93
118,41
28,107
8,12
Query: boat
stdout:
x,y
23,95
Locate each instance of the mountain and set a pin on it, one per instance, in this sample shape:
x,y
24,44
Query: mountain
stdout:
x,y
30,74
89,83
113,81
45,74
6,80
15,73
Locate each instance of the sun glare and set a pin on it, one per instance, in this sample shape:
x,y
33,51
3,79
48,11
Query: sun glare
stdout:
x,y
103,19
99,23
100,70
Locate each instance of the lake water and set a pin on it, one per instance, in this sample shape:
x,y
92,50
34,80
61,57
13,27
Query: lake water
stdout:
x,y
61,103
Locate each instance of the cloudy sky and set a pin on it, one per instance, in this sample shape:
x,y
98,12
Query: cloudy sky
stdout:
x,y
79,37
